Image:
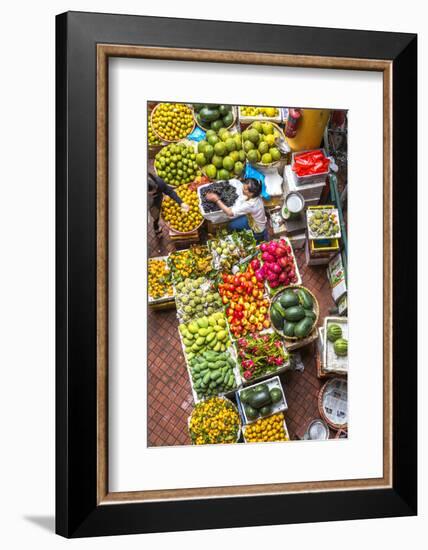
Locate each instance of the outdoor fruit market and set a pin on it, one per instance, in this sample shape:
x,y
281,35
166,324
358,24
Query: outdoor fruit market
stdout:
x,y
247,274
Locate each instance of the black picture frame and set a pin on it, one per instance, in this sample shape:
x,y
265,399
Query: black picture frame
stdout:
x,y
77,511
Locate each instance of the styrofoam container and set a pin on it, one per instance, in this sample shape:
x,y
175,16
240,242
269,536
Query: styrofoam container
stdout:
x,y
311,178
249,119
231,351
287,435
331,361
311,192
162,299
310,213
218,216
273,382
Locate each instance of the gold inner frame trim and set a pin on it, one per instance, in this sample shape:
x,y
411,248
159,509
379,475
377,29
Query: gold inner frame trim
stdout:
x,y
104,51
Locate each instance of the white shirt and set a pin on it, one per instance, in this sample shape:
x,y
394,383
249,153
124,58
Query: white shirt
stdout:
x,y
254,209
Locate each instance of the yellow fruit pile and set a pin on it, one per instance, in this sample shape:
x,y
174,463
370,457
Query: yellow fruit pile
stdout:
x,y
266,429
214,420
260,111
160,284
172,121
175,217
152,138
191,263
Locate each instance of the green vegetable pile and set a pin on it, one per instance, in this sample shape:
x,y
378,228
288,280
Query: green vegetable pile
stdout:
x,y
292,312
212,373
259,401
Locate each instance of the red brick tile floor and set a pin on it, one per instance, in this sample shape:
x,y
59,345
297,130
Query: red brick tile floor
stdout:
x,y
170,399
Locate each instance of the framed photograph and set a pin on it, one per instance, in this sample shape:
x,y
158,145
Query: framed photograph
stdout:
x,y
236,274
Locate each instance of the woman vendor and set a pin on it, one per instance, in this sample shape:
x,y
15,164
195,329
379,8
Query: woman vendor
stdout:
x,y
248,212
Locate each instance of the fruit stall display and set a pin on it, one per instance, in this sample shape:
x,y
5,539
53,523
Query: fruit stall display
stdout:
x,y
261,143
172,121
159,280
245,301
205,334
278,266
152,138
220,155
196,297
261,400
173,215
336,345
214,420
266,114
214,117
261,355
266,430
176,163
213,373
228,249
323,222
191,263
294,312
225,191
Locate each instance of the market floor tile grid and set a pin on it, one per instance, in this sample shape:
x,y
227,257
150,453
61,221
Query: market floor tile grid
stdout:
x,y
170,400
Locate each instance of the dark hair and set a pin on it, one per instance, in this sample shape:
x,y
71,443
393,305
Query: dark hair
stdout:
x,y
254,186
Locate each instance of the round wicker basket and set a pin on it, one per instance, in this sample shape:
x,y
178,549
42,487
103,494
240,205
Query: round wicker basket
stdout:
x,y
316,310
238,435
339,386
174,140
235,117
276,162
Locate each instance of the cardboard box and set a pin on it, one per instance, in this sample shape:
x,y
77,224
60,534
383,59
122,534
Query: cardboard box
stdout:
x,y
336,277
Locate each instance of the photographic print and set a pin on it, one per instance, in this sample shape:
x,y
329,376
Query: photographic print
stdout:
x,y
247,274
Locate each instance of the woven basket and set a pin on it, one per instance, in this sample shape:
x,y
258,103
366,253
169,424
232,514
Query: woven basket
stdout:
x,y
174,140
235,118
238,435
276,162
316,310
328,386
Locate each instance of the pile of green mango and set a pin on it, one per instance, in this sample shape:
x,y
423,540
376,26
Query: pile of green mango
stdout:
x,y
212,373
205,334
195,297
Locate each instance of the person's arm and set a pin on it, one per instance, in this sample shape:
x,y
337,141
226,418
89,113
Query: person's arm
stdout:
x,y
168,190
213,197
